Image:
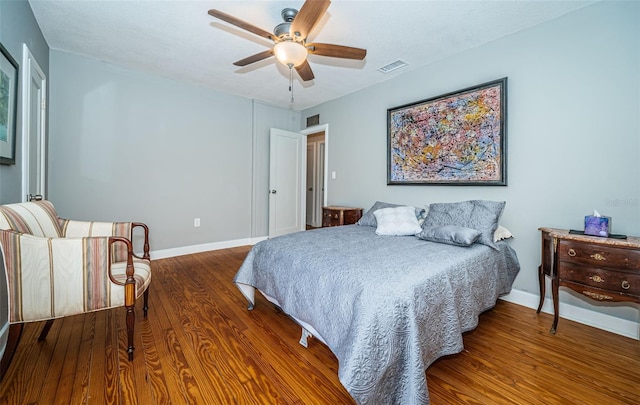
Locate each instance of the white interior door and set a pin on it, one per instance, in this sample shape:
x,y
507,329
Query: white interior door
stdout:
x,y
34,88
287,181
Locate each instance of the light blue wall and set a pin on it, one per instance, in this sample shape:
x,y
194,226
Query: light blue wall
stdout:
x,y
137,146
126,145
573,129
18,26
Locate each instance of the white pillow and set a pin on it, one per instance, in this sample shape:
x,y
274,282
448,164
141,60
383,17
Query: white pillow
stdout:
x,y
501,233
397,221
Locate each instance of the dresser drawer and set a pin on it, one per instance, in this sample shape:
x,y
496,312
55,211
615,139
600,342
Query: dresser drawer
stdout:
x,y
623,282
352,216
336,216
331,217
598,255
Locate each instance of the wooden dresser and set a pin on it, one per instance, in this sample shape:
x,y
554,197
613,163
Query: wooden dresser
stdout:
x,y
603,269
336,216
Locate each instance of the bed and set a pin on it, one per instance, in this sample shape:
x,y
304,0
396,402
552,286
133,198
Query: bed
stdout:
x,y
387,306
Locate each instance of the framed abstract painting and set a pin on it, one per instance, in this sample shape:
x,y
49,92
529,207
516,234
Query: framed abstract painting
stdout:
x,y
457,138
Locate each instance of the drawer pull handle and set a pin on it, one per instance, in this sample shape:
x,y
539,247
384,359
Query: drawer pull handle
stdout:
x,y
571,252
625,284
597,279
596,296
598,256
335,216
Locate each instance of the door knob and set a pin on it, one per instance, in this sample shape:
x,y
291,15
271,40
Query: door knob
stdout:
x,y
273,191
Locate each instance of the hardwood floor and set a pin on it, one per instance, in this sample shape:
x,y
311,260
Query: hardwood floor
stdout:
x,y
200,345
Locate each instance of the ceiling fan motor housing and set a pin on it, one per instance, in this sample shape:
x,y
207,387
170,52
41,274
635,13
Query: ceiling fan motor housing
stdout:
x,y
288,14
283,30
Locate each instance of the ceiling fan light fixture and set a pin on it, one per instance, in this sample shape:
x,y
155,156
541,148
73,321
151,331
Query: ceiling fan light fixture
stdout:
x,y
290,38
290,53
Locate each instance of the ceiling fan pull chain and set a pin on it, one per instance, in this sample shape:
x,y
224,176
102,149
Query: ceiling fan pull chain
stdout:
x,y
291,82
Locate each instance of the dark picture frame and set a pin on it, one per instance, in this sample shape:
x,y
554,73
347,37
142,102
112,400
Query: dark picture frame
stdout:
x,y
458,138
8,107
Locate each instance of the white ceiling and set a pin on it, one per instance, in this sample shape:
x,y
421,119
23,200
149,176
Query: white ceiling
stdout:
x,y
179,40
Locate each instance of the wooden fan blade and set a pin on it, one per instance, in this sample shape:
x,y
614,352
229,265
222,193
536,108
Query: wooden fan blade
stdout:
x,y
305,71
254,58
242,24
308,16
337,51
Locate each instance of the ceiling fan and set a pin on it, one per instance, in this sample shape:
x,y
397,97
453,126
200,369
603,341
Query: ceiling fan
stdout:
x,y
290,38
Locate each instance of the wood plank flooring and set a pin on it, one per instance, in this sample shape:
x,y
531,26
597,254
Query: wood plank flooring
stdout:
x,y
200,345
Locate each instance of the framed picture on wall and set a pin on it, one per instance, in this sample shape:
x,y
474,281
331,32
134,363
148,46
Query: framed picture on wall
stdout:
x,y
8,106
457,138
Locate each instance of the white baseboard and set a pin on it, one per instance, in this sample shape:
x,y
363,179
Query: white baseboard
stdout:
x,y
585,316
205,247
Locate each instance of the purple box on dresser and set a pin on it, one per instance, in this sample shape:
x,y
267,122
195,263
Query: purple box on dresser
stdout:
x,y
597,226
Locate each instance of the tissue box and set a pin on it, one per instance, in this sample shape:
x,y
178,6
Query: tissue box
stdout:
x,y
597,226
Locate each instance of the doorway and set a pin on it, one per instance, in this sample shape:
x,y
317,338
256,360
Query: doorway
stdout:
x,y
288,179
315,179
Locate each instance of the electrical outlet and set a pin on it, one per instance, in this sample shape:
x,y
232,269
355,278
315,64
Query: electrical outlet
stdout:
x,y
196,222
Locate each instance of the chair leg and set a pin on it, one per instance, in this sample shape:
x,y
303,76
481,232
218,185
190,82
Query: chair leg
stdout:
x,y
146,301
45,330
131,318
15,331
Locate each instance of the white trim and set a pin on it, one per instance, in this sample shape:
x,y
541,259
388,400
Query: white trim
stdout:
x,y
312,130
584,316
30,70
205,247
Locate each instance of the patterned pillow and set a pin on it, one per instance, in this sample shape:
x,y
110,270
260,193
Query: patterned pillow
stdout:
x,y
481,215
368,219
397,221
450,234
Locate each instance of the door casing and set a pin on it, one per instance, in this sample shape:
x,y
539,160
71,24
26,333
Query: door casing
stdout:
x,y
34,96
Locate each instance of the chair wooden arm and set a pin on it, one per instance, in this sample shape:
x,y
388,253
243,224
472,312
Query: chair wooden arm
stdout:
x,y
129,270
146,238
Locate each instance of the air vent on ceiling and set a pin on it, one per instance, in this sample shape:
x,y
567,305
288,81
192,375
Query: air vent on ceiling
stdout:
x,y
392,66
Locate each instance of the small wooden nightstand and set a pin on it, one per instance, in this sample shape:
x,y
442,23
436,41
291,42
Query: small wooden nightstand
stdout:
x,y
336,216
603,269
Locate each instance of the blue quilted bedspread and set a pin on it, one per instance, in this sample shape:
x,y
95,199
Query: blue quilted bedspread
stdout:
x,y
387,306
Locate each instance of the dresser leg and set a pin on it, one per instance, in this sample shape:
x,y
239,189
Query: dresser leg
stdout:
x,y
542,287
555,284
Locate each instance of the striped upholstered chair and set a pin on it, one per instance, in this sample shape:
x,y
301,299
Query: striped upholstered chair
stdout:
x,y
58,267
